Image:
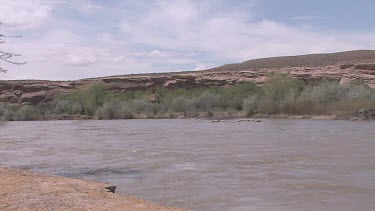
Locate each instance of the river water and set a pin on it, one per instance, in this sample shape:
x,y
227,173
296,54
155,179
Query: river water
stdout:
x,y
200,165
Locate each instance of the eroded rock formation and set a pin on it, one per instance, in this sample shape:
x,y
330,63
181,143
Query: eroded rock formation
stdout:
x,y
45,91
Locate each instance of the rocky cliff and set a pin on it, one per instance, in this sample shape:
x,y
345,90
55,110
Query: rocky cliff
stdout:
x,y
345,67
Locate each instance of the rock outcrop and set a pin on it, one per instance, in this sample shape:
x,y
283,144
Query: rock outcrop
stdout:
x,y
30,91
348,68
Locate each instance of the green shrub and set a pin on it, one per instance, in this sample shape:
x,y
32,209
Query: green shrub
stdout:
x,y
323,93
145,107
250,105
140,106
288,103
7,111
69,107
26,113
232,97
63,107
83,101
275,90
207,101
280,94
181,104
361,91
114,110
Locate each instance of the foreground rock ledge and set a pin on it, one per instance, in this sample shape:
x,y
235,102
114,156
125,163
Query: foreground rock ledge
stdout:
x,y
23,190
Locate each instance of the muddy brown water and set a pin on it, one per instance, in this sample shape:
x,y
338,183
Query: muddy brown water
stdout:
x,y
272,165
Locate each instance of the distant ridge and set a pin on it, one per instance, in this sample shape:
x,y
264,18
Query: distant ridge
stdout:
x,y
312,60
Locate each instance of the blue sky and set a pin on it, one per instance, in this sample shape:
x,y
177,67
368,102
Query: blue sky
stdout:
x,y
89,38
332,15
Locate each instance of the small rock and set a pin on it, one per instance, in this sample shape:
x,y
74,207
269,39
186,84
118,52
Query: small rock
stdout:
x,y
245,120
345,81
111,189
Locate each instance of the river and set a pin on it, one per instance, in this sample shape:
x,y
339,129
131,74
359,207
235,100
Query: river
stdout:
x,y
200,165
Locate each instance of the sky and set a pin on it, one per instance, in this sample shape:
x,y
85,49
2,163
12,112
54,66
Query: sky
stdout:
x,y
67,40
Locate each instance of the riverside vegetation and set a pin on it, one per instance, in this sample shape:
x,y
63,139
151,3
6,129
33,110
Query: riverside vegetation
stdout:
x,y
281,94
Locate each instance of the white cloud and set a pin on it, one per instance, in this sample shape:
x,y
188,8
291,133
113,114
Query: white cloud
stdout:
x,y
201,66
77,59
23,14
84,6
133,36
157,53
232,35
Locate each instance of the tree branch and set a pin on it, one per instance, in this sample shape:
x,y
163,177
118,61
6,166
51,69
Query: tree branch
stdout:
x,y
6,56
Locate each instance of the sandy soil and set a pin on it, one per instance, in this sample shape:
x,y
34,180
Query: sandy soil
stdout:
x,y
24,190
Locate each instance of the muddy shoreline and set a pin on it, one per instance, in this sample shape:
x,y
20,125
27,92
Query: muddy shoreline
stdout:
x,y
25,190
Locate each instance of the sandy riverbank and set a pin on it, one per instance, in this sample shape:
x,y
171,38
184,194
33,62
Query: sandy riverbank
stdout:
x,y
24,190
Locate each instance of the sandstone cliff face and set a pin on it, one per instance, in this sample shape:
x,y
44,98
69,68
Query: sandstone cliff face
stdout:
x,y
33,91
45,91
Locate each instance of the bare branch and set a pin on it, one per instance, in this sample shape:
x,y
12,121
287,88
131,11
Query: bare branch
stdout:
x,y
6,56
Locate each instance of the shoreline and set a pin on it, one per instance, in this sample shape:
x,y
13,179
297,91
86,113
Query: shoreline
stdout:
x,y
219,116
26,190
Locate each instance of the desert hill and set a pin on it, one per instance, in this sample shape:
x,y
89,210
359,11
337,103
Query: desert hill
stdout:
x,y
311,60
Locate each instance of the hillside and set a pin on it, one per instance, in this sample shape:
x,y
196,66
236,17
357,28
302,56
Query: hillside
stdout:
x,y
345,67
311,60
